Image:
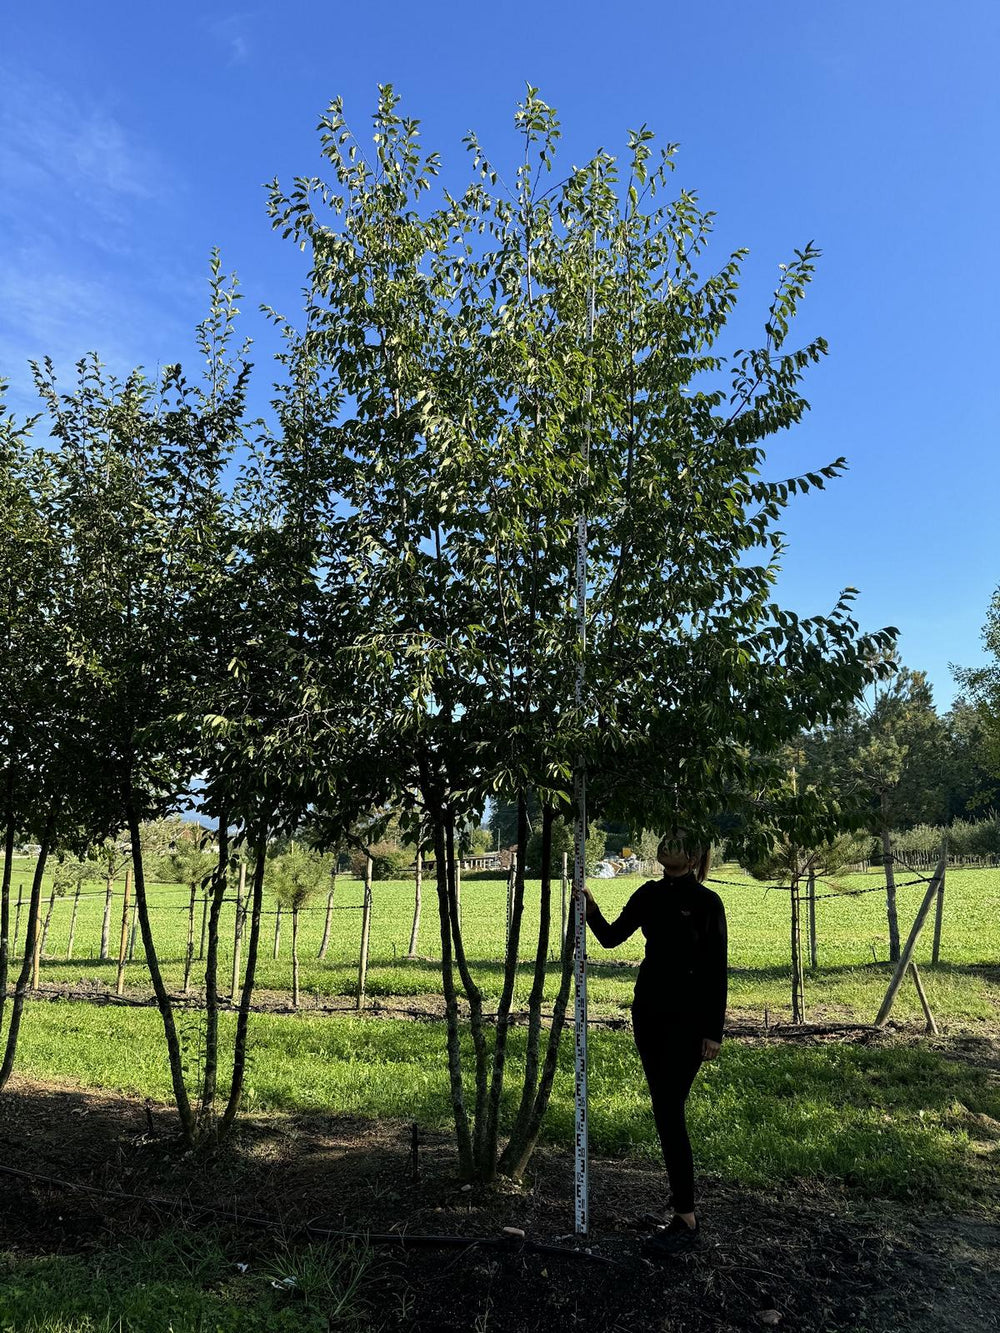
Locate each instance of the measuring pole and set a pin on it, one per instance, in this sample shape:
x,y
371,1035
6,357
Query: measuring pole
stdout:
x,y
581,1182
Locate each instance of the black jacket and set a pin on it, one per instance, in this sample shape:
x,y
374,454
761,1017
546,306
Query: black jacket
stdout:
x,y
683,975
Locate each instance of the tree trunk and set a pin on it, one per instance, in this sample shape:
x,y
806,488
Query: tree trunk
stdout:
x,y
506,994
72,925
813,949
48,922
798,1008
189,952
418,878
463,1135
17,917
564,884
132,932
163,1001
8,870
204,927
106,922
890,882
220,880
30,931
277,931
530,1083
249,977
295,957
324,943
241,889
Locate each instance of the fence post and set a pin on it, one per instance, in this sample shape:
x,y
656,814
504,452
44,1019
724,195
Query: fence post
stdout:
x,y
907,953
120,980
418,879
72,925
238,930
366,920
798,1005
939,908
189,951
37,954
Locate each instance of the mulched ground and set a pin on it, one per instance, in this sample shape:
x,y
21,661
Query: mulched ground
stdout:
x,y
807,1258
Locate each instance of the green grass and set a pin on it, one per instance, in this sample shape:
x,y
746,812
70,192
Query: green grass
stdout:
x,y
187,1282
848,983
899,1120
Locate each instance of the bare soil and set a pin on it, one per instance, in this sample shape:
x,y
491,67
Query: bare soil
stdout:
x,y
808,1258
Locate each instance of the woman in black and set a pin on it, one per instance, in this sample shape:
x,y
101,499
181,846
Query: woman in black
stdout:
x,y
679,1008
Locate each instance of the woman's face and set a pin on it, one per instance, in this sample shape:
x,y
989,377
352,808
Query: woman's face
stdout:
x,y
674,861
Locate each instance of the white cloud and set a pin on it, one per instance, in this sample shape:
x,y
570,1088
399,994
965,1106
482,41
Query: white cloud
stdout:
x,y
232,32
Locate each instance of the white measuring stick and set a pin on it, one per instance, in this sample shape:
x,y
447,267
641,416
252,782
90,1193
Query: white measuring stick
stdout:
x,y
581,1180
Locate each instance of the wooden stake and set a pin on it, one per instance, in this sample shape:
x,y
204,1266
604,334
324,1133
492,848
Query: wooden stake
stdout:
x,y
120,980
72,925
939,908
931,1025
277,931
813,960
907,954
418,878
238,930
106,921
189,951
366,920
295,957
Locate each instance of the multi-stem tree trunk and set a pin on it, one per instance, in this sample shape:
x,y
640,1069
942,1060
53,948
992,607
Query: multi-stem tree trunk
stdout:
x,y
890,879
492,1129
220,880
535,998
106,922
249,977
30,938
418,879
163,1001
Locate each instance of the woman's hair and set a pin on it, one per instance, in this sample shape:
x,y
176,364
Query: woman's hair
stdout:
x,y
699,858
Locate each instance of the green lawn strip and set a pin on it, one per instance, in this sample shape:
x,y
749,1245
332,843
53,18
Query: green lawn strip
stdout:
x,y
191,1279
893,1121
847,980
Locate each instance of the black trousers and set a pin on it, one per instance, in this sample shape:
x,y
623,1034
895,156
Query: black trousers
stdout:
x,y
670,1050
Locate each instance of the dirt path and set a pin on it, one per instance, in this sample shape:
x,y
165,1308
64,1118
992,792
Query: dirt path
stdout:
x,y
825,1262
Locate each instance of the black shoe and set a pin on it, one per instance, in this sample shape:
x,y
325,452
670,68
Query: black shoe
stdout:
x,y
677,1238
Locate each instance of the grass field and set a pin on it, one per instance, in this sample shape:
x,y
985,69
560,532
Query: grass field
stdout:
x,y
848,983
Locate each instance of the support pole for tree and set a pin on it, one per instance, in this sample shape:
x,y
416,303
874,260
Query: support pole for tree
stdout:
x,y
295,957
238,930
798,978
939,907
47,923
907,953
189,951
17,917
204,923
458,892
921,995
37,952
277,931
132,931
366,921
813,952
418,876
109,890
72,925
120,980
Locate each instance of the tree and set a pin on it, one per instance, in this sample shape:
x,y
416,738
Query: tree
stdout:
x,y
981,686
484,408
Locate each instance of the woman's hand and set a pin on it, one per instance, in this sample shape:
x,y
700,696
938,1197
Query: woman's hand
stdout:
x,y
590,902
709,1048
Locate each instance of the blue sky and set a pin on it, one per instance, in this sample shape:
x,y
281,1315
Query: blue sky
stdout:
x,y
133,138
